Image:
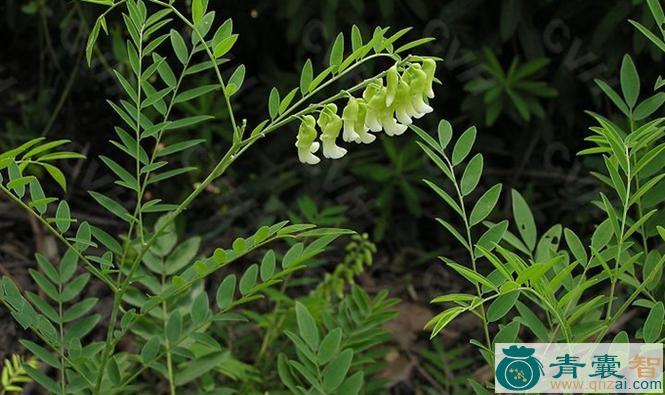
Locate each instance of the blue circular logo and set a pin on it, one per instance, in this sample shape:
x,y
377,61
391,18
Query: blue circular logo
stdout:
x,y
519,370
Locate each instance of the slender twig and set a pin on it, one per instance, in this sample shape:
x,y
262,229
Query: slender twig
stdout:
x,y
620,237
470,244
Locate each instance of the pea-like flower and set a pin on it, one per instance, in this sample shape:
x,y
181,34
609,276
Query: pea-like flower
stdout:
x,y
305,142
390,108
375,97
390,125
419,90
331,125
404,110
363,131
349,116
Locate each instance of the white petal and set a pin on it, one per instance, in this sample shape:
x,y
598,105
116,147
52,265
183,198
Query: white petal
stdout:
x,y
312,159
403,116
430,92
307,157
365,137
393,128
331,150
314,147
372,122
420,106
349,134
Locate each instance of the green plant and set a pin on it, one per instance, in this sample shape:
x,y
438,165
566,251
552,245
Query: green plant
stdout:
x,y
14,375
359,256
336,362
515,90
448,367
558,287
161,288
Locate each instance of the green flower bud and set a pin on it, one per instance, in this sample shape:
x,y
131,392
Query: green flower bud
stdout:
x,y
429,67
391,85
372,89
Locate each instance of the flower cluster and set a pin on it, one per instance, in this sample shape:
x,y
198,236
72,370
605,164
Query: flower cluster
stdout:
x,y
390,107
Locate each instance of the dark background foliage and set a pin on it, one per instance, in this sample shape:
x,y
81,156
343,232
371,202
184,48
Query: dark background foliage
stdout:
x,y
529,143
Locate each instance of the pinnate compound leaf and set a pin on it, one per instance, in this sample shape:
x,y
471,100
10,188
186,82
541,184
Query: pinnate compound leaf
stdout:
x,y
335,373
352,385
174,327
248,279
463,145
485,205
42,379
471,175
329,346
337,51
63,218
225,292
630,81
653,325
306,77
307,326
445,133
501,306
150,349
111,205
179,46
524,220
268,265
273,103
225,45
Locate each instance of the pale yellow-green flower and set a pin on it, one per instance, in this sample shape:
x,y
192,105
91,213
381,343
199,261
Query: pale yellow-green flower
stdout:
x,y
306,141
418,89
349,116
331,125
392,80
429,67
390,107
363,131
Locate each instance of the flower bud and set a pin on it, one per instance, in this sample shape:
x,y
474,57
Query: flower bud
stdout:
x,y
372,89
429,67
305,142
331,125
391,85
